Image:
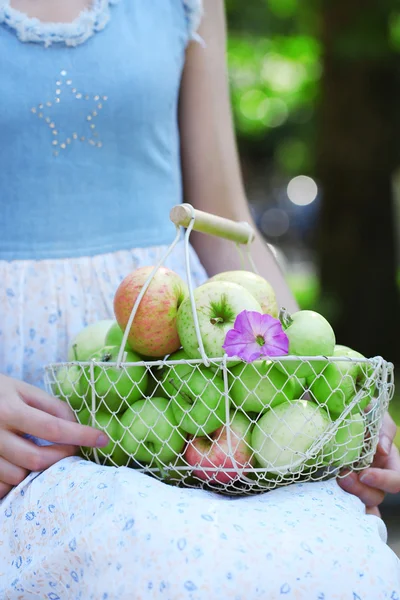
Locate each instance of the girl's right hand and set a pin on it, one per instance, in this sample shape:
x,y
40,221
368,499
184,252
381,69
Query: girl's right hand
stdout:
x,y
25,409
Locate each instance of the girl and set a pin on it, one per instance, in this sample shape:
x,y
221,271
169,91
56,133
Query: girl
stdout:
x,y
107,114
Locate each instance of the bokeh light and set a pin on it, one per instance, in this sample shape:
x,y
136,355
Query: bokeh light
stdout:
x,y
302,190
274,222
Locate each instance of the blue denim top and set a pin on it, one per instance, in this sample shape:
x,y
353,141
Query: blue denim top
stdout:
x,y
89,139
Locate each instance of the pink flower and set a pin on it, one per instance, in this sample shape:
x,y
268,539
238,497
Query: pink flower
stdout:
x,y
254,335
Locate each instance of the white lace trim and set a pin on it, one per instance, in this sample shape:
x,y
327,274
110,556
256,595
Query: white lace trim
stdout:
x,y
194,13
72,34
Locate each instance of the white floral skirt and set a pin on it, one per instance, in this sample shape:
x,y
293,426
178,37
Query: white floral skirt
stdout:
x,y
82,531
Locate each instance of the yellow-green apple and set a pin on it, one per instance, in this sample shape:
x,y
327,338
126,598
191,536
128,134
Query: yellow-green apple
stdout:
x,y
68,385
258,287
116,387
224,455
89,340
218,304
257,386
149,432
309,334
153,332
348,443
283,435
340,381
199,402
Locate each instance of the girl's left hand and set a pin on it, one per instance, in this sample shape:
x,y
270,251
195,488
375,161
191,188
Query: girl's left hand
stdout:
x,y
382,477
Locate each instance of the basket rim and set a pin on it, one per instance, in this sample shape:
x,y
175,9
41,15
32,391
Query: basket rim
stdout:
x,y
224,360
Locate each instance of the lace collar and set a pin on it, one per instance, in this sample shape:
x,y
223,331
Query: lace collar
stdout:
x,y
77,32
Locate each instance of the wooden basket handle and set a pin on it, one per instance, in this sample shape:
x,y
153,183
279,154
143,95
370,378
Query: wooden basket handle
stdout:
x,y
241,233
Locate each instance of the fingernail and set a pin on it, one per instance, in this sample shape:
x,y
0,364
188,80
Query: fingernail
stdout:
x,y
386,444
102,440
367,478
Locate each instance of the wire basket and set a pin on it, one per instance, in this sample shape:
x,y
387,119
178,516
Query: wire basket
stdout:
x,y
223,424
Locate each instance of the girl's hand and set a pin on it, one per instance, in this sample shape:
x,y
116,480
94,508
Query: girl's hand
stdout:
x,y
25,409
382,477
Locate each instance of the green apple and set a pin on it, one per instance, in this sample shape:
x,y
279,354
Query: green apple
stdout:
x,y
115,336
68,385
117,387
283,435
258,287
340,381
348,442
176,372
199,402
154,386
89,340
218,303
149,432
257,386
309,334
84,416
105,421
177,471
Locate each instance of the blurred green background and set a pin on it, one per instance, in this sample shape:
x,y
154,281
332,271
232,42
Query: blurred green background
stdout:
x,y
315,93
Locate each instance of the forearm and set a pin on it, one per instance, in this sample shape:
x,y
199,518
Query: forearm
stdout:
x,y
210,167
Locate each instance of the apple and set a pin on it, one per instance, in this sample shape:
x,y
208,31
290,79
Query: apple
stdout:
x,y
365,369
117,387
68,385
149,432
222,457
88,341
348,443
177,372
199,402
218,304
115,336
105,421
309,334
154,331
282,436
154,387
258,287
257,386
177,471
340,381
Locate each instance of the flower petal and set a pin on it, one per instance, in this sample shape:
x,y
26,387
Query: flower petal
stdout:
x,y
242,340
254,321
247,352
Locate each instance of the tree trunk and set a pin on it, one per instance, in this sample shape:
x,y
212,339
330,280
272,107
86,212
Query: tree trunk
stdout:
x,y
356,159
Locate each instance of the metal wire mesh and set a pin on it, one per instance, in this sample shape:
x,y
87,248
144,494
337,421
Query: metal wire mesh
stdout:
x,y
221,424
240,429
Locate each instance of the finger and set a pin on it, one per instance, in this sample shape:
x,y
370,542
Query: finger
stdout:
x,y
40,424
37,398
391,462
385,480
27,455
373,510
10,473
4,489
368,495
386,435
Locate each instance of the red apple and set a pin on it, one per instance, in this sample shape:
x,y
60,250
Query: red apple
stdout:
x,y
212,452
153,332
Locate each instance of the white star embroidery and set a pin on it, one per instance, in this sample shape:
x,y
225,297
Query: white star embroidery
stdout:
x,y
64,85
